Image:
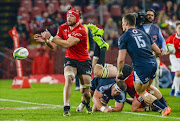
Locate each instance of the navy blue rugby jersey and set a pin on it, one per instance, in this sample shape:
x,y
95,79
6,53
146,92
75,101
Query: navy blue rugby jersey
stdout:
x,y
104,85
138,45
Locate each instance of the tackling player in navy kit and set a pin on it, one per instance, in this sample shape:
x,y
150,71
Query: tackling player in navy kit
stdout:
x,y
140,48
106,89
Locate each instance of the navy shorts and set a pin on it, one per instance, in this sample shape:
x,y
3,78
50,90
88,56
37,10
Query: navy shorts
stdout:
x,y
142,74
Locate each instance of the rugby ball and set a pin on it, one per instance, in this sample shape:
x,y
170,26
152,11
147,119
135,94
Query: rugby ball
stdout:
x,y
20,53
170,48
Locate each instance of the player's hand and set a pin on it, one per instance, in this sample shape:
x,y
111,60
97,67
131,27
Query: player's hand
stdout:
x,y
39,38
107,109
118,76
163,52
46,34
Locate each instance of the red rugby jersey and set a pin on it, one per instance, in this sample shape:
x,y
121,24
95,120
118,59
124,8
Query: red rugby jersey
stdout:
x,y
78,51
130,86
175,40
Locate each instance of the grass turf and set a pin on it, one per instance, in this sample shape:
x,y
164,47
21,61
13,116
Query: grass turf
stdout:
x,y
45,102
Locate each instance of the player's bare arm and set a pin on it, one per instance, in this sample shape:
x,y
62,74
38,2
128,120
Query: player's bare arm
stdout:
x,y
96,99
120,62
118,107
71,41
156,49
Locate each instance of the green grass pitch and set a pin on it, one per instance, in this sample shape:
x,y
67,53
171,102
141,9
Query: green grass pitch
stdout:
x,y
44,102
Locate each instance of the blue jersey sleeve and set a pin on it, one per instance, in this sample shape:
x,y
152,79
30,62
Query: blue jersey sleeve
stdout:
x,y
162,41
121,98
122,42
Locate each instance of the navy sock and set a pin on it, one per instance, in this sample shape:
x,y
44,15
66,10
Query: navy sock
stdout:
x,y
102,55
96,50
163,101
159,105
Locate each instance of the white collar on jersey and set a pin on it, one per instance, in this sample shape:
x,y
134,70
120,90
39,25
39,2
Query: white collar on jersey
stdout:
x,y
177,36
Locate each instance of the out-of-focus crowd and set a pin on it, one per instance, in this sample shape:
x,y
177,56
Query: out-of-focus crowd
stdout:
x,y
35,16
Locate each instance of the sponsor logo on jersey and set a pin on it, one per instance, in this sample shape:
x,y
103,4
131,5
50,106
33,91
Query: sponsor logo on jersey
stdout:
x,y
88,72
101,89
134,31
78,34
68,62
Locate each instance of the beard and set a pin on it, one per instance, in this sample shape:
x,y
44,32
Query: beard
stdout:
x,y
149,20
71,23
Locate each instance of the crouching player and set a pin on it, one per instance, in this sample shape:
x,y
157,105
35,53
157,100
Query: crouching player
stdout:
x,y
102,91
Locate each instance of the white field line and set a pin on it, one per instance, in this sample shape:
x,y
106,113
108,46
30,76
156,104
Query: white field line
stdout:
x,y
29,108
33,103
60,106
142,114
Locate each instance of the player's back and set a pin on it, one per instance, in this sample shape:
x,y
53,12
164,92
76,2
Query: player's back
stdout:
x,y
138,45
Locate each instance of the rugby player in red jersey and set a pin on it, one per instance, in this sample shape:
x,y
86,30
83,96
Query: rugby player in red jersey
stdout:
x,y
175,60
72,36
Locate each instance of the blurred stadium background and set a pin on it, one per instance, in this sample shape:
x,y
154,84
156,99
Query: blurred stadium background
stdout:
x,y
34,16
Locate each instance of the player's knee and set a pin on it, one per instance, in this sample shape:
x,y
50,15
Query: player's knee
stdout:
x,y
69,76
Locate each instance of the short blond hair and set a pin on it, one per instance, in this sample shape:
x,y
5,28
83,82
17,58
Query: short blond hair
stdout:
x,y
178,23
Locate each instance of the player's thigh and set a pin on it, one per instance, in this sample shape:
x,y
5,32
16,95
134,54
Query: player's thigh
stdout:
x,y
84,70
85,79
70,66
139,87
112,71
70,69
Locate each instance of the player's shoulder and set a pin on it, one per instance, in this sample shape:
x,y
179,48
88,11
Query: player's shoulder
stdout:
x,y
173,35
154,25
80,29
64,25
125,35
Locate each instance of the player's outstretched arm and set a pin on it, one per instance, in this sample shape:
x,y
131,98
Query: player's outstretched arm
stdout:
x,y
118,107
156,49
96,99
59,41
